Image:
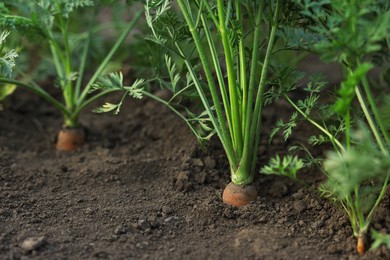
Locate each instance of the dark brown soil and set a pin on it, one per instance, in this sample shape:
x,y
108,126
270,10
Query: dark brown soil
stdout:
x,y
142,188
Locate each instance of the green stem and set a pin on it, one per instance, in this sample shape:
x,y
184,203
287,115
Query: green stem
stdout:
x,y
67,86
245,173
226,142
243,72
251,88
210,12
41,92
256,127
357,207
106,60
95,97
375,111
322,129
220,127
348,129
68,91
232,82
218,70
83,62
228,12
370,120
58,58
352,217
174,110
378,200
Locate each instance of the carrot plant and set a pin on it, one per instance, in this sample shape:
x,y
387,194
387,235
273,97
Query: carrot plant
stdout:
x,y
224,48
50,22
355,34
380,239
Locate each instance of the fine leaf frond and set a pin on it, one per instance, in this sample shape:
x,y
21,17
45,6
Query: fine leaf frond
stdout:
x,y
71,5
201,123
107,107
173,75
379,239
286,166
114,81
135,90
7,57
359,166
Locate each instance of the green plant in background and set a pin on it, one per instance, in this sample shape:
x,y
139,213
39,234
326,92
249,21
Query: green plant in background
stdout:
x,y
224,47
7,63
50,21
379,239
286,166
356,34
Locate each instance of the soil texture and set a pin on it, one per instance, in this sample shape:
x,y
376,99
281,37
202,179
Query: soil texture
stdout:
x,y
142,188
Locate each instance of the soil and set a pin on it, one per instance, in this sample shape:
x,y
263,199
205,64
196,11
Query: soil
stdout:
x,y
142,188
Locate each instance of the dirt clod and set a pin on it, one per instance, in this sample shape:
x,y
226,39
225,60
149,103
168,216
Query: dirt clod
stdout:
x,y
299,206
143,224
166,209
119,230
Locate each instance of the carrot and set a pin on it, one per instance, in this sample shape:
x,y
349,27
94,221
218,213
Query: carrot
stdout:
x,y
70,139
360,247
238,196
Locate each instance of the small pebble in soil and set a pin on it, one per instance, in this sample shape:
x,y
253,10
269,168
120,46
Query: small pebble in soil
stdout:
x,y
314,204
101,254
120,230
143,224
298,195
197,162
142,245
88,211
33,243
181,182
166,209
171,220
278,190
299,207
183,176
263,219
317,224
154,221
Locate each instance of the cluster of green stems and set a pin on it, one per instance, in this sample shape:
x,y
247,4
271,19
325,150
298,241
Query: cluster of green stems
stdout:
x,y
76,97
359,220
238,102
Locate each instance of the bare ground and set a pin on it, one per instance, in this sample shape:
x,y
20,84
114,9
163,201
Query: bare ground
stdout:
x,y
142,188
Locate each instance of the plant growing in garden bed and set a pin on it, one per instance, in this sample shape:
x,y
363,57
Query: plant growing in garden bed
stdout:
x,y
225,48
49,20
356,35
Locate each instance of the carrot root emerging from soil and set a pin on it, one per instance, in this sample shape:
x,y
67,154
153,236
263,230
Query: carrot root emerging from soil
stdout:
x,y
70,139
360,247
239,196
